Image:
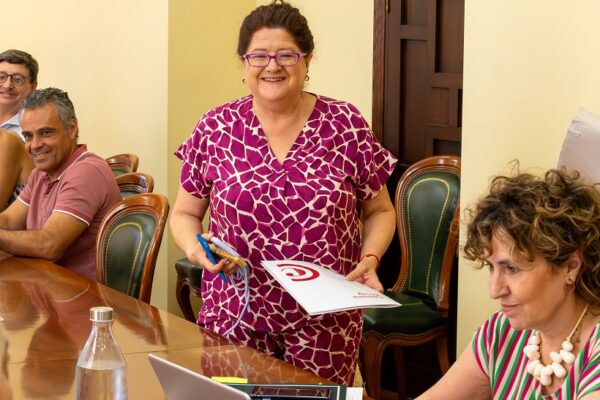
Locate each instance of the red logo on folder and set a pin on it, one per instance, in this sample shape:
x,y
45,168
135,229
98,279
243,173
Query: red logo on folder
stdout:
x,y
298,272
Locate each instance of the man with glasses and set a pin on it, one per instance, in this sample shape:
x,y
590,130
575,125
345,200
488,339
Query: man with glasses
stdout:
x,y
18,77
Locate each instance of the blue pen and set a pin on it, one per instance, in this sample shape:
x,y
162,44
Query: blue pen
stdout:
x,y
209,254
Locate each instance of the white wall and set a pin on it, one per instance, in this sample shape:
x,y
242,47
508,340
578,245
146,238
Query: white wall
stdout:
x,y
204,72
111,57
528,67
342,64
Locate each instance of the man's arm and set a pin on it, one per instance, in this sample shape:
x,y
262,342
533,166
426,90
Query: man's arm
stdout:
x,y
14,217
49,243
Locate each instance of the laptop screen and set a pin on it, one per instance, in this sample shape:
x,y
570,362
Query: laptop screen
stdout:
x,y
180,383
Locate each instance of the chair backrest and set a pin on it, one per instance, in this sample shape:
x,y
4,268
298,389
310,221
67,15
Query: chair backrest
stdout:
x,y
123,163
427,212
127,244
133,183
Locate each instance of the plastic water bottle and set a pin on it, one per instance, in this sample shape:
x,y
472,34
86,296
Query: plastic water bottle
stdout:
x,y
101,370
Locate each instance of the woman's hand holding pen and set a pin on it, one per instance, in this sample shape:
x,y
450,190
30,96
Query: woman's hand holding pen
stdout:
x,y
365,272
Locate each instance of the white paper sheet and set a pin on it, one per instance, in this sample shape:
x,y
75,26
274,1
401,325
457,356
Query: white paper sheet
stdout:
x,y
320,290
354,393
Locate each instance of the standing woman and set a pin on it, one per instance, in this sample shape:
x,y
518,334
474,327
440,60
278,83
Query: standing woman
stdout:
x,y
284,173
15,167
540,239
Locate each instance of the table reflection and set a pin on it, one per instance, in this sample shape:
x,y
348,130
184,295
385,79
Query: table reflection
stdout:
x,y
16,308
5,390
220,357
29,295
45,312
45,319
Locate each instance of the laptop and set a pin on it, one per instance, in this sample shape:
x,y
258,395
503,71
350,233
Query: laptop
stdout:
x,y
180,383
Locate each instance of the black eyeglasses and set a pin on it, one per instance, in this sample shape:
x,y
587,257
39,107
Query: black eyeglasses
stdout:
x,y
282,59
17,79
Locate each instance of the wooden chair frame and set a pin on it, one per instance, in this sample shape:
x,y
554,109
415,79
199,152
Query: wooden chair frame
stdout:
x,y
184,289
125,161
137,182
152,203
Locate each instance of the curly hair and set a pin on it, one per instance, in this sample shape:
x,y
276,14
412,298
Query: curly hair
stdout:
x,y
278,14
551,216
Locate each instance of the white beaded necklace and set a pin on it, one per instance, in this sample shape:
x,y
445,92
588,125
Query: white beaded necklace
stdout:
x,y
542,372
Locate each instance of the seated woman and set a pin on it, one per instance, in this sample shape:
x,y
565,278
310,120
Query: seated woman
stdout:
x,y
540,238
15,167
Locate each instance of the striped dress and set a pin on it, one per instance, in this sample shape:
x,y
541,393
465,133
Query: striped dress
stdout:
x,y
499,352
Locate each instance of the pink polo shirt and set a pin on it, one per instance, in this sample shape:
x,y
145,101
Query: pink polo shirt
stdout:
x,y
85,189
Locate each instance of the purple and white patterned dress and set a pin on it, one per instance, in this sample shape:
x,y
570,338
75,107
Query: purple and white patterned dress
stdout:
x,y
303,209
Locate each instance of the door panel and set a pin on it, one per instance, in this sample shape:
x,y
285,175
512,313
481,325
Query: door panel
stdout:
x,y
417,108
418,77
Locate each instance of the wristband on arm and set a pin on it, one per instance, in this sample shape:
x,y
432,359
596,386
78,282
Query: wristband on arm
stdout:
x,y
375,256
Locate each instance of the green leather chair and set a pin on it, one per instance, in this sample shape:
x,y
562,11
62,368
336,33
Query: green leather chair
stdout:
x,y
127,244
123,163
133,183
427,213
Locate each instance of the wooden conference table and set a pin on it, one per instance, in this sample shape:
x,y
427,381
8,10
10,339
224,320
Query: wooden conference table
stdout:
x,y
45,311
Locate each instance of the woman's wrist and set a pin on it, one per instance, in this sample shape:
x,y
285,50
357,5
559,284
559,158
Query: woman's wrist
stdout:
x,y
371,256
191,250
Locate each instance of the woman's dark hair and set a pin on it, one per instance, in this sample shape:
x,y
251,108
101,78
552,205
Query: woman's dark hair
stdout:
x,y
551,216
278,14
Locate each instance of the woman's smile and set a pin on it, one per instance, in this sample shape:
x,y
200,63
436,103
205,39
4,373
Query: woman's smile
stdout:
x,y
272,79
288,80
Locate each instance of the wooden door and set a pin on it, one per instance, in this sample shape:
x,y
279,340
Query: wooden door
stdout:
x,y
417,85
417,107
417,88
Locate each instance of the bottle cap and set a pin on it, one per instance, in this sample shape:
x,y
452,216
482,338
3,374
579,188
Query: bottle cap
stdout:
x,y
101,314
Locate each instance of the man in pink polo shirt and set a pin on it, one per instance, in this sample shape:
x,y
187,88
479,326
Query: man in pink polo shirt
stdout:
x,y
67,194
